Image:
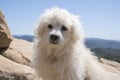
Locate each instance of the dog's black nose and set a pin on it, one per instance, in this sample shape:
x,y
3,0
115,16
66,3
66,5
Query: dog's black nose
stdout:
x,y
54,37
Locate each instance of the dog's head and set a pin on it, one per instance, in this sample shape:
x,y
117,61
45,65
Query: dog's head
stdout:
x,y
58,27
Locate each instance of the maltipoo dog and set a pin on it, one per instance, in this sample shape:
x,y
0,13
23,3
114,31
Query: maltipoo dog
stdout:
x,y
60,53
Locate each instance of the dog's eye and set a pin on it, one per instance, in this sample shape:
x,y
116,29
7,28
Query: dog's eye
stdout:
x,y
50,26
64,28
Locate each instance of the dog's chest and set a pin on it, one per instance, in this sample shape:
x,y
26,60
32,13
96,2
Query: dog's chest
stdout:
x,y
60,69
52,60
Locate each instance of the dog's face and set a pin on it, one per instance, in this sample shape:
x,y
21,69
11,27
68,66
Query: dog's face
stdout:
x,y
57,28
56,32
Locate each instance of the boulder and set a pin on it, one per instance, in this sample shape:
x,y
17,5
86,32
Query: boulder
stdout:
x,y
10,70
15,55
15,61
5,35
19,51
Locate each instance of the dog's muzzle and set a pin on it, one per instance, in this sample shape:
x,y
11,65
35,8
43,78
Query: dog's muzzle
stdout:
x,y
54,39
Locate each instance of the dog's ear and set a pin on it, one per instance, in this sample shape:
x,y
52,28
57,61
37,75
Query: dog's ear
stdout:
x,y
38,29
77,28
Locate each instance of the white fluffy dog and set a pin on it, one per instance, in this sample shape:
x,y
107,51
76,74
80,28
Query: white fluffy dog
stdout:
x,y
60,53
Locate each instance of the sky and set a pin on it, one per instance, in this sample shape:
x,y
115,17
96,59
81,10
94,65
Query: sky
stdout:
x,y
100,18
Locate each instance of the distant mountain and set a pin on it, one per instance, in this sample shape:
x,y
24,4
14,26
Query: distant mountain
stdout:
x,y
25,37
108,53
102,43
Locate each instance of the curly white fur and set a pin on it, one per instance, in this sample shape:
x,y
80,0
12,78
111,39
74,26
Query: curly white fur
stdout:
x,y
69,59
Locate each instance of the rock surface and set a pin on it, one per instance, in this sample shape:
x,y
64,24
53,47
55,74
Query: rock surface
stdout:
x,y
112,68
15,61
19,51
15,55
5,35
10,70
